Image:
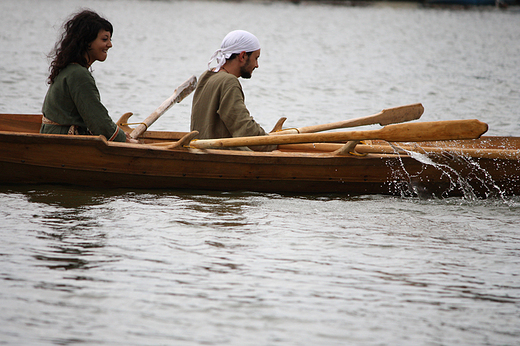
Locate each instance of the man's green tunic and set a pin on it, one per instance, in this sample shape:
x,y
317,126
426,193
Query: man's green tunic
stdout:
x,y
219,111
73,99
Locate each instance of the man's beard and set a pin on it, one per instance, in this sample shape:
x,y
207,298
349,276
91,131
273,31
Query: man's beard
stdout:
x,y
244,73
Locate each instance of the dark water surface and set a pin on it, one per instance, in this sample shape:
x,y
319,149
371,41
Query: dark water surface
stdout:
x,y
123,267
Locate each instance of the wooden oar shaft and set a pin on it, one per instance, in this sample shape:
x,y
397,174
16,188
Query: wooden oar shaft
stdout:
x,y
482,153
178,95
385,117
412,132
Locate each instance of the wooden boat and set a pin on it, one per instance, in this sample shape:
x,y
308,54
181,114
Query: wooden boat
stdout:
x,y
489,166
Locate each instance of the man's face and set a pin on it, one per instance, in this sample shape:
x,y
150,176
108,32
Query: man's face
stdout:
x,y
251,62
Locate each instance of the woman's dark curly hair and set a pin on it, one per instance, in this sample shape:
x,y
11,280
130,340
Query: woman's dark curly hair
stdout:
x,y
78,33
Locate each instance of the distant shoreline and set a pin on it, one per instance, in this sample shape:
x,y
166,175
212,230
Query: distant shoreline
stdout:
x,y
328,1
428,3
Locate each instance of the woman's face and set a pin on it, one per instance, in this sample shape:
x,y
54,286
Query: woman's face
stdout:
x,y
99,47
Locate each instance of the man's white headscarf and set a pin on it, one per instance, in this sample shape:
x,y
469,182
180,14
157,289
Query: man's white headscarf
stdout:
x,y
235,42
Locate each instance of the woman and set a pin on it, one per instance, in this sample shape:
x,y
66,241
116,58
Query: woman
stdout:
x,y
72,104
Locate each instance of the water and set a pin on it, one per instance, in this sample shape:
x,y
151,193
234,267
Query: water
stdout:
x,y
458,181
124,267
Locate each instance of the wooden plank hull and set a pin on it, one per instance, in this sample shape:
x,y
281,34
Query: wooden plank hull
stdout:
x,y
32,158
91,161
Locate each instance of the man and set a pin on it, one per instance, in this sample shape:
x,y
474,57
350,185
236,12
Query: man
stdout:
x,y
218,109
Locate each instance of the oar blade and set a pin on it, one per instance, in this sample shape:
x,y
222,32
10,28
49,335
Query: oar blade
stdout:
x,y
434,131
387,116
185,89
400,114
178,95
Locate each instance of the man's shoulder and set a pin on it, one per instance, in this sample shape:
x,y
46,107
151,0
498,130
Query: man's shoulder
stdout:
x,y
219,78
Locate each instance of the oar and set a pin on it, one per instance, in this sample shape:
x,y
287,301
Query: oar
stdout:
x,y
487,153
410,132
179,94
385,117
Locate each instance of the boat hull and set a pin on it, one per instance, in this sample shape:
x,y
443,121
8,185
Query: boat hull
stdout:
x,y
33,158
91,161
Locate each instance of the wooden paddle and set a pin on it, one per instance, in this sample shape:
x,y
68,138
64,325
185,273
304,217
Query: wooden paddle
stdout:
x,y
179,94
411,132
385,117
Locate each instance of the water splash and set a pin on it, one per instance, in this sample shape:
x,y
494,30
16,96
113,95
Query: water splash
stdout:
x,y
407,184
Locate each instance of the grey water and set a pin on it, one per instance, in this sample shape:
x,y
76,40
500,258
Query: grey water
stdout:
x,y
163,267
